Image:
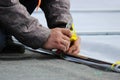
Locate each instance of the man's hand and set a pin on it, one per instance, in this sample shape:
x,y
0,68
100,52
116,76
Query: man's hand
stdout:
x,y
58,39
75,47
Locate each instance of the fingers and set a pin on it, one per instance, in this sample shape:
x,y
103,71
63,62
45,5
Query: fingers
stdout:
x,y
66,44
75,48
62,47
66,32
66,38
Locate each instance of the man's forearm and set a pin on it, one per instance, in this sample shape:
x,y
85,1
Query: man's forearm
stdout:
x,y
19,23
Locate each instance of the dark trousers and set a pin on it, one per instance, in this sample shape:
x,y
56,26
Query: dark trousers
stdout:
x,y
2,40
29,4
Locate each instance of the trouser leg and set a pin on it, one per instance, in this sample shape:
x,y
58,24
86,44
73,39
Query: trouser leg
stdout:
x,y
57,12
29,4
2,40
7,45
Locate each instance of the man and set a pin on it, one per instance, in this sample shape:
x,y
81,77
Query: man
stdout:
x,y
15,20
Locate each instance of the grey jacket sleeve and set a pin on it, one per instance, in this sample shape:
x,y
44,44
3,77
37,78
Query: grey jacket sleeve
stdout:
x,y
57,12
20,24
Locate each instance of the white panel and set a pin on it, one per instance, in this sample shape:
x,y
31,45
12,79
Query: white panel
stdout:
x,y
40,16
105,48
95,4
97,22
91,22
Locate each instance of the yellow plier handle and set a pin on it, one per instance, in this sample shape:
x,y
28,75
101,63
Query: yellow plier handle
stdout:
x,y
70,25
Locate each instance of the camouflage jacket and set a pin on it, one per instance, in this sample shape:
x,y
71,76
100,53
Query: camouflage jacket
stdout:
x,y
15,18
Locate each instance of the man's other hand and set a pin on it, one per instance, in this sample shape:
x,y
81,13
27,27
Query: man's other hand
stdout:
x,y
74,48
59,39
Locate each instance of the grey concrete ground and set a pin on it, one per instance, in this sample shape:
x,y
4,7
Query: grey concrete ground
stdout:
x,y
34,66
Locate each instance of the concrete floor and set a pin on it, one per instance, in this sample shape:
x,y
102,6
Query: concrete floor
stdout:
x,y
34,66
